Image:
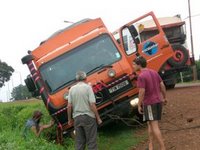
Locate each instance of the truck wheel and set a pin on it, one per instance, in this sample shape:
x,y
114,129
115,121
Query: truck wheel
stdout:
x,y
170,86
180,56
170,81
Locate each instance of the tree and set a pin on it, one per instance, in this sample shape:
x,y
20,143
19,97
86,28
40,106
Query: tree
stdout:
x,y
5,73
20,93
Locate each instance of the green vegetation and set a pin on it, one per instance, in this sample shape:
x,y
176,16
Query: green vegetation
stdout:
x,y
13,116
12,119
187,75
119,137
198,69
20,92
5,73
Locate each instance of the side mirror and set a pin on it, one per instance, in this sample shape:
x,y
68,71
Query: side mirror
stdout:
x,y
31,86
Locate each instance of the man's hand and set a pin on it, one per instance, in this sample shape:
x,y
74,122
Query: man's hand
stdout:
x,y
52,122
140,109
70,122
165,101
99,121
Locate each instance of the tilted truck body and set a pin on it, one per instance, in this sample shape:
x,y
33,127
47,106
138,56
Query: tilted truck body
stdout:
x,y
88,46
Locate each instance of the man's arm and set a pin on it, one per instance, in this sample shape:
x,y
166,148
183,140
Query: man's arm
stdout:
x,y
92,102
69,113
33,128
141,98
48,125
94,109
163,91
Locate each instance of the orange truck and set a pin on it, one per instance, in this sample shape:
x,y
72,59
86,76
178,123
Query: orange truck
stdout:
x,y
106,58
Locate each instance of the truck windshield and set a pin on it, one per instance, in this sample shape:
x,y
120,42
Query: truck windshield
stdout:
x,y
89,57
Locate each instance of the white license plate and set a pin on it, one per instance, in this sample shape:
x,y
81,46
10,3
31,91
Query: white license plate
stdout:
x,y
118,86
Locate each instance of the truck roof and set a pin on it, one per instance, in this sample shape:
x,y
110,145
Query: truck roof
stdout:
x,y
65,37
165,22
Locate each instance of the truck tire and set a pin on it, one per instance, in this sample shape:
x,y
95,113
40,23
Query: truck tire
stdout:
x,y
180,56
170,86
170,82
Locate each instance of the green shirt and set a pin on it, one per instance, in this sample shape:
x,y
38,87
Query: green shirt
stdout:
x,y
80,96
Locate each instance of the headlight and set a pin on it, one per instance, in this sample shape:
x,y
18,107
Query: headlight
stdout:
x,y
134,102
111,73
65,96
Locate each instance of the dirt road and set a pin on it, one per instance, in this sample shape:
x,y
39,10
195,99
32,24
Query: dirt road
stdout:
x,y
180,123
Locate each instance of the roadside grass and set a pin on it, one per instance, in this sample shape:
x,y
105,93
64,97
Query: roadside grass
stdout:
x,y
13,115
13,140
188,82
118,136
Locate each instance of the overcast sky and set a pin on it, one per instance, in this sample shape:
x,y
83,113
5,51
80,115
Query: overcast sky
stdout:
x,y
25,23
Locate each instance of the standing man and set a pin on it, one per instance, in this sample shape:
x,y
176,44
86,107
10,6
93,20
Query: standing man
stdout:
x,y
150,102
81,102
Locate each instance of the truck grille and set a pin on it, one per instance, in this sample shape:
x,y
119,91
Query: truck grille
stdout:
x,y
113,90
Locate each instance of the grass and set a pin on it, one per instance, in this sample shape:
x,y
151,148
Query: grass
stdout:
x,y
13,115
119,136
188,83
197,81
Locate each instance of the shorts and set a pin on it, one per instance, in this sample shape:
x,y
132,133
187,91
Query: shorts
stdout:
x,y
152,112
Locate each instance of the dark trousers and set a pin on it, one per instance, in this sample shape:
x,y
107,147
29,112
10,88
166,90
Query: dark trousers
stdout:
x,y
86,132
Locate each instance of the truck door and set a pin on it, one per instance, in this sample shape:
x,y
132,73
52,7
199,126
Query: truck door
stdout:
x,y
155,47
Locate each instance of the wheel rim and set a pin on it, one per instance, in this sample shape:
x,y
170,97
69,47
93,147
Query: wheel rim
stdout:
x,y
178,55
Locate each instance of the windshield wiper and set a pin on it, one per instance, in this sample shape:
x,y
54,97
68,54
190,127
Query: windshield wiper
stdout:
x,y
99,67
70,81
48,86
